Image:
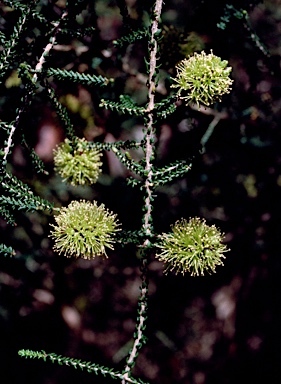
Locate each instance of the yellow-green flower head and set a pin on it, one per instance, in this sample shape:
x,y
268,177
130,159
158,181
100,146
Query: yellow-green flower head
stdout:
x,y
202,78
193,247
77,163
84,229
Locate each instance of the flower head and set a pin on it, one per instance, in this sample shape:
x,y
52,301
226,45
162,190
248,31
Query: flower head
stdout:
x,y
84,229
205,78
192,247
77,163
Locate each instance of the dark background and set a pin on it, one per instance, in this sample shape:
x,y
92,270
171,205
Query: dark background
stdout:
x,y
219,329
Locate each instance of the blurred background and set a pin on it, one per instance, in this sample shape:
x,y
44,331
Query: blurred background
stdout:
x,y
219,329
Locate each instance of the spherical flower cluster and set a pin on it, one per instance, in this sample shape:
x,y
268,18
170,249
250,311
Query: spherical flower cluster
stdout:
x,y
192,247
205,78
84,229
77,163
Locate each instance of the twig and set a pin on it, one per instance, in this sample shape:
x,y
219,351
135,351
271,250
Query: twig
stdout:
x,y
217,117
34,78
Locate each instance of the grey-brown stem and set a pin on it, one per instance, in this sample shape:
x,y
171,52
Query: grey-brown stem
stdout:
x,y
38,69
150,138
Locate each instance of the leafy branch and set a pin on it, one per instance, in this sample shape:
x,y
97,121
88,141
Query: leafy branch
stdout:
x,y
131,38
7,251
85,229
147,227
77,364
124,105
76,77
9,46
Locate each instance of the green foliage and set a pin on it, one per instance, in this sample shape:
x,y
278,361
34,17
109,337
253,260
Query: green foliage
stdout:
x,y
9,48
166,107
61,113
117,145
131,38
129,163
83,228
7,251
79,33
17,196
37,163
77,364
164,175
241,14
124,105
80,78
229,12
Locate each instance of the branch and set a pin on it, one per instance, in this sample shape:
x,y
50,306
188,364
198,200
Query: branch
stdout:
x,y
38,69
218,116
147,227
75,363
10,44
